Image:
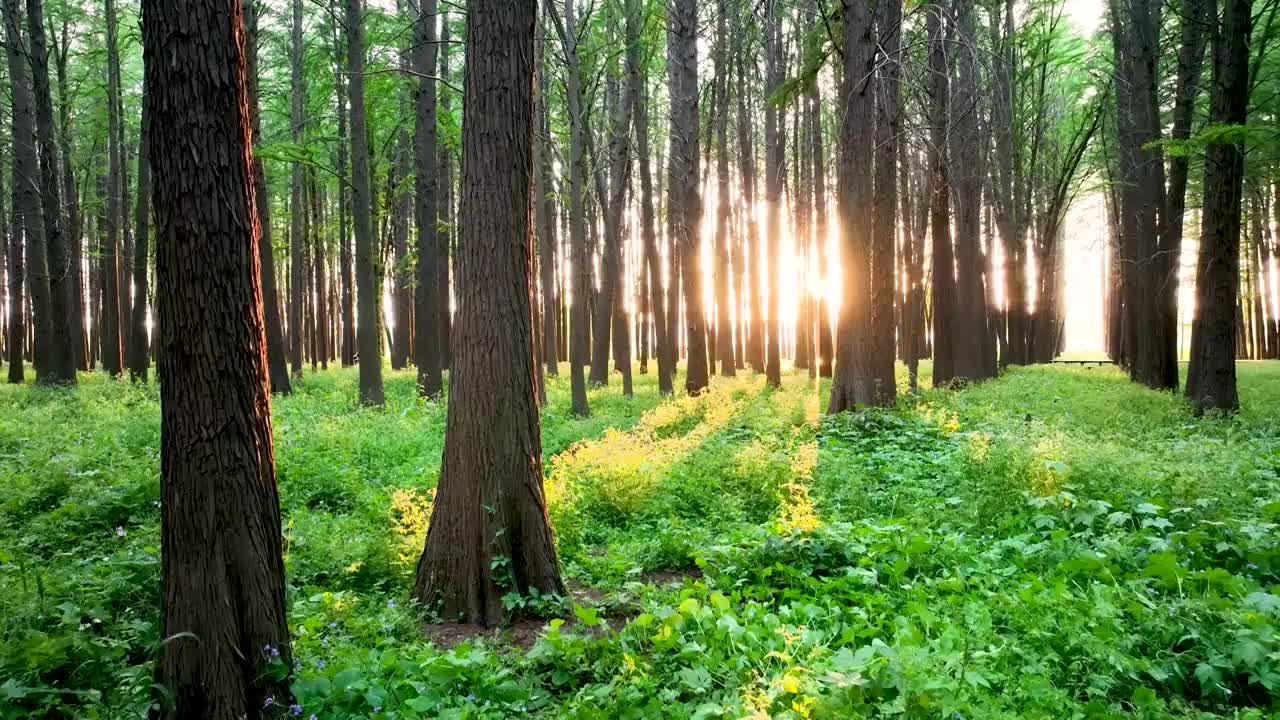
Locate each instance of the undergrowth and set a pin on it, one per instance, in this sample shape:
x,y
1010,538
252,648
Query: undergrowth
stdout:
x,y
1053,544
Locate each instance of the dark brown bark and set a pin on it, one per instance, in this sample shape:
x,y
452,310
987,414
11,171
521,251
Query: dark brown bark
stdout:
x,y
139,342
297,267
112,288
722,267
775,175
855,382
544,209
1150,351
970,312
445,208
27,208
319,284
747,159
79,343
402,275
60,367
368,266
1211,373
223,610
489,534
277,363
345,269
885,202
943,268
15,271
427,291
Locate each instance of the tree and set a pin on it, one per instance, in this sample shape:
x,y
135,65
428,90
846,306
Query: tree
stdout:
x,y
227,647
1211,373
277,362
855,381
368,294
652,258
139,357
775,172
943,265
60,366
114,287
489,534
426,291
723,268
297,267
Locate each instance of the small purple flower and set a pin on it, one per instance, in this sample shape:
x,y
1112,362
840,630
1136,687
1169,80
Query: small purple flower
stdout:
x,y
269,702
295,709
391,603
471,697
120,531
313,717
320,664
377,709
270,651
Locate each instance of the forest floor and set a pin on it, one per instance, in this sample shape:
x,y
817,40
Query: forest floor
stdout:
x,y
1058,543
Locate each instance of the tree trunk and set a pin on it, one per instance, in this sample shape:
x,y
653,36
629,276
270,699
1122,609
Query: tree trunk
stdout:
x,y
489,534
662,351
747,160
427,292
26,201
885,201
943,270
16,271
368,266
277,363
723,269
297,267
775,174
223,611
855,381
544,206
139,357
1211,374
113,291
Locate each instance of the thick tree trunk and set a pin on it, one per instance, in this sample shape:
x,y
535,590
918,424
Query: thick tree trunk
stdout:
x,y
855,382
747,170
223,611
544,209
489,534
663,352
368,265
1211,374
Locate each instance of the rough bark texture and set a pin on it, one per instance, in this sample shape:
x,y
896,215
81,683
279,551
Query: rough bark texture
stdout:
x,y
1211,374
60,367
544,204
15,271
943,268
684,196
277,363
223,608
1151,354
855,382
885,212
489,534
79,344
426,292
722,266
747,160
368,266
27,218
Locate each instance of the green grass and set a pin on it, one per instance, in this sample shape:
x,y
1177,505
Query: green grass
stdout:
x,y
1057,543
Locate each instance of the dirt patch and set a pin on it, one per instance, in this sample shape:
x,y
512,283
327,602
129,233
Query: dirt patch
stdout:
x,y
667,578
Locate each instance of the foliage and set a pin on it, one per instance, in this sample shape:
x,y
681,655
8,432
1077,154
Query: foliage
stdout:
x,y
1052,544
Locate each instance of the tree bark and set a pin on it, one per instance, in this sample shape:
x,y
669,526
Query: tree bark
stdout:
x,y
775,175
489,534
297,266
27,208
368,266
1211,373
223,610
427,291
943,269
139,357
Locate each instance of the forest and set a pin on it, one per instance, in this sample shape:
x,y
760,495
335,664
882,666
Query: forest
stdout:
x,y
482,359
